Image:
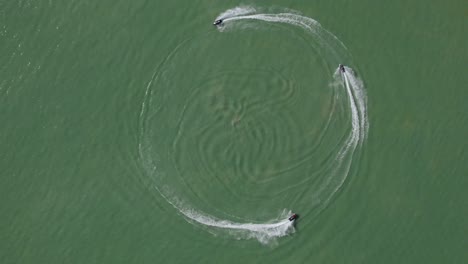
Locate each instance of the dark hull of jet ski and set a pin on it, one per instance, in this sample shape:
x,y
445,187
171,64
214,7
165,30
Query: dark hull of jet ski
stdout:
x,y
293,217
218,22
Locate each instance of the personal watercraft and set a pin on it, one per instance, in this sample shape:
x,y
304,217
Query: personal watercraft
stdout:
x,y
342,69
293,217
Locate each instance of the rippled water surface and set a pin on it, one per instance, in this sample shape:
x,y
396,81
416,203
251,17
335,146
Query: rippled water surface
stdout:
x,y
137,132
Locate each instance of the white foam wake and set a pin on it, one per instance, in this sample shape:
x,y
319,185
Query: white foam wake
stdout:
x,y
325,41
359,125
263,232
235,12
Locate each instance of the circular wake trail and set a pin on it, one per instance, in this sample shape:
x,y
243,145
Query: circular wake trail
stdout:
x,y
335,52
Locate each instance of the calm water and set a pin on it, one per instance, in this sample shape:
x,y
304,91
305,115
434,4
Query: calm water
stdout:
x,y
136,132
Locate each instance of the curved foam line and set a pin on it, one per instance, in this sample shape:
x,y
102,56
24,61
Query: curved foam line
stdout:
x,y
263,232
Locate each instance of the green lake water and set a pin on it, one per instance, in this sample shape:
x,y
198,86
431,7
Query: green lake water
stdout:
x,y
137,132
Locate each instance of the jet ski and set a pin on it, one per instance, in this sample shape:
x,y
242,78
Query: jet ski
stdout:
x,y
218,22
342,69
293,217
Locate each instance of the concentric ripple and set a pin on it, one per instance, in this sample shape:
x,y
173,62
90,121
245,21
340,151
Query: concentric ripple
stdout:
x,y
227,129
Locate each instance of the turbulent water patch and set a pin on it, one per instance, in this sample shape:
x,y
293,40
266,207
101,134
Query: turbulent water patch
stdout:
x,y
232,130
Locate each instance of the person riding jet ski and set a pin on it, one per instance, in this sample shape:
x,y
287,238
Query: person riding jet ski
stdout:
x,y
342,69
218,22
293,217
